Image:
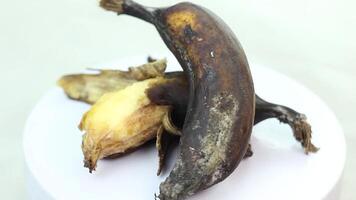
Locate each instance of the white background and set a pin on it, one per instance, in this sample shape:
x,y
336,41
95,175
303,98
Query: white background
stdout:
x,y
312,41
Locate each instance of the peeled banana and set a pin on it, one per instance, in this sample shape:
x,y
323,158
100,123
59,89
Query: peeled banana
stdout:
x,y
120,121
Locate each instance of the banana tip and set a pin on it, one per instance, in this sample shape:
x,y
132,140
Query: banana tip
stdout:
x,y
90,164
62,82
92,152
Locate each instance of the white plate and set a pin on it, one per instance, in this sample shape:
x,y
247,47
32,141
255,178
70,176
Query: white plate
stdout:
x,y
278,169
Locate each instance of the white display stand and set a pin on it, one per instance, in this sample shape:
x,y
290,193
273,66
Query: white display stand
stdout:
x,y
278,170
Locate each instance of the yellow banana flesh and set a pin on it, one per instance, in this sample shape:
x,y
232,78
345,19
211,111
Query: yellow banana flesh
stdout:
x,y
120,121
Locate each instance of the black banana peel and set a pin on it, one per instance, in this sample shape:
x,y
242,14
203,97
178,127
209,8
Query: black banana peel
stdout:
x,y
221,105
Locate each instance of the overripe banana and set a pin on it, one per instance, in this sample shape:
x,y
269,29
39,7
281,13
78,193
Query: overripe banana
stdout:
x,y
221,105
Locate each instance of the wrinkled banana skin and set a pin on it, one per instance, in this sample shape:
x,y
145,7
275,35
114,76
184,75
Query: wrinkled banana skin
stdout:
x,y
220,112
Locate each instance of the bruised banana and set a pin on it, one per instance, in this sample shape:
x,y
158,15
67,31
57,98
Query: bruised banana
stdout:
x,y
211,166
221,106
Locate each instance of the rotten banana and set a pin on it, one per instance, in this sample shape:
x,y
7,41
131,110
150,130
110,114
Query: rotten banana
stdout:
x,y
221,104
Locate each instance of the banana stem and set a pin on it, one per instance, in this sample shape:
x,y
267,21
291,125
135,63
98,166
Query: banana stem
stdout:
x,y
297,121
130,8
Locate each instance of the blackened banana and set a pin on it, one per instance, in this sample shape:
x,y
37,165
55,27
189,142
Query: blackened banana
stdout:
x,y
221,105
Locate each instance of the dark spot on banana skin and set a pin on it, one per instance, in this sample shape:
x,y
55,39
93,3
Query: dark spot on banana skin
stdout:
x,y
189,34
